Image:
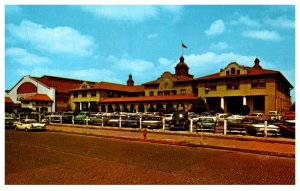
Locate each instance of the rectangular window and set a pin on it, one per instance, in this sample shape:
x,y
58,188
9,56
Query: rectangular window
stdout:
x,y
110,94
233,85
83,94
212,86
151,93
258,83
160,93
183,92
75,94
93,93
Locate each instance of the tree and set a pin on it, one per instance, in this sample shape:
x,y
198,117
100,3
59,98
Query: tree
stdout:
x,y
219,109
245,110
199,106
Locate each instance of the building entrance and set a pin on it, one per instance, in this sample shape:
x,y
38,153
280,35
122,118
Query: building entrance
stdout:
x,y
234,104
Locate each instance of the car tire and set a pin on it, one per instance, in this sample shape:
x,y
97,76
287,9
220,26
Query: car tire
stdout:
x,y
16,128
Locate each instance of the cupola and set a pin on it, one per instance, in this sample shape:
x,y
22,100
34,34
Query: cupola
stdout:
x,y
256,63
181,68
130,81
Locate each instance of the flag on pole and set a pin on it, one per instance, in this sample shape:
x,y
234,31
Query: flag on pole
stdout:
x,y
183,45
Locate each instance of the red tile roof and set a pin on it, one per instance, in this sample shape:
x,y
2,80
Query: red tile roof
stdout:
x,y
251,72
113,86
150,98
37,97
180,78
8,100
62,85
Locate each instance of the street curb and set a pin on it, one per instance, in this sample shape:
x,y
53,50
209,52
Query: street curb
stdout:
x,y
195,134
181,143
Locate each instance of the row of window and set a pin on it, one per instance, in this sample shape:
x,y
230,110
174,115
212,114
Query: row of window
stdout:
x,y
84,94
235,84
168,92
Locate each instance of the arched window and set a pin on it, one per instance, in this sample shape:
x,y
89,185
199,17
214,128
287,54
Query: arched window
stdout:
x,y
232,71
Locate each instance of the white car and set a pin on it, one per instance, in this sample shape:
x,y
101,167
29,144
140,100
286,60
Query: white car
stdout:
x,y
29,125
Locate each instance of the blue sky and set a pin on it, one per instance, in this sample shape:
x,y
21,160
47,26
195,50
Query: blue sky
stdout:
x,y
107,43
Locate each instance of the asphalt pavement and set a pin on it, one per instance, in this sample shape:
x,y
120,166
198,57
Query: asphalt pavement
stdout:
x,y
275,146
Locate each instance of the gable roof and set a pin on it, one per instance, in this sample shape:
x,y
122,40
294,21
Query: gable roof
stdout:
x,y
150,98
112,86
37,97
252,71
179,78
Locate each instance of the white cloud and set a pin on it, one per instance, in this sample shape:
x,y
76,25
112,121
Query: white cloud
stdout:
x,y
245,20
25,58
262,35
63,40
219,46
280,22
216,28
165,61
133,13
124,12
131,65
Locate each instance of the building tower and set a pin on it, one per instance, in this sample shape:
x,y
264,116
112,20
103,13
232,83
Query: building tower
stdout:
x,y
256,63
130,81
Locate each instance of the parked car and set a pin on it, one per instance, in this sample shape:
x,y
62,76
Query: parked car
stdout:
x,y
168,117
29,125
179,120
221,117
9,122
289,115
206,124
237,125
131,121
80,118
152,121
67,117
114,121
259,129
273,116
287,128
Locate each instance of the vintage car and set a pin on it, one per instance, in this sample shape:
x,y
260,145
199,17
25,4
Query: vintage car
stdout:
x,y
131,121
168,117
29,125
237,125
152,121
259,129
206,124
80,118
10,122
180,121
287,128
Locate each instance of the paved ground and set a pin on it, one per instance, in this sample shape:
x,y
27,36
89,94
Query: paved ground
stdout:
x,y
64,158
284,147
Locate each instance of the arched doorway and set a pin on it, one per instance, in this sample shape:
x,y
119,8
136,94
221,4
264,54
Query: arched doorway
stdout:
x,y
141,108
103,108
159,107
170,108
151,108
110,108
132,110
117,108
125,109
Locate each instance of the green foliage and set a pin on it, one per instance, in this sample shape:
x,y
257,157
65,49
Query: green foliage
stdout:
x,y
245,110
199,106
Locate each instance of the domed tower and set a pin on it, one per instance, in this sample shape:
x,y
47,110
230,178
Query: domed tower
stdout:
x,y
256,64
181,68
130,81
